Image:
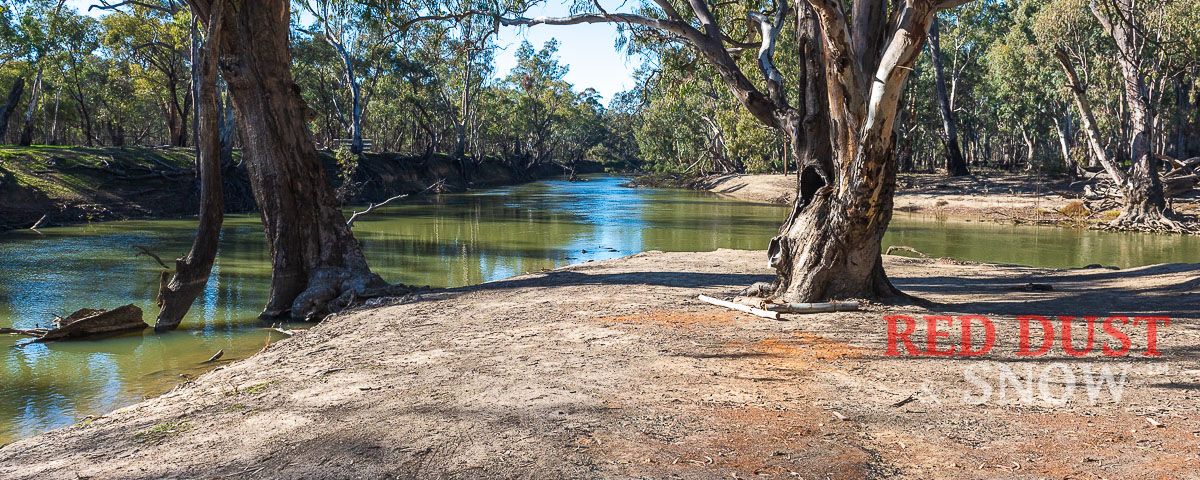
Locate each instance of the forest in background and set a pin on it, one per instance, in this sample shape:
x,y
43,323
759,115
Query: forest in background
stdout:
x,y
372,82
393,77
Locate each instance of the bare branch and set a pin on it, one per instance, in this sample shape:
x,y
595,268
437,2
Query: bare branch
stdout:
x,y
105,5
147,252
673,26
436,186
769,27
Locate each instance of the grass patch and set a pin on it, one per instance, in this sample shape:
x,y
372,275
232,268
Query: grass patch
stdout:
x,y
258,388
237,408
1075,209
162,430
86,422
69,172
253,389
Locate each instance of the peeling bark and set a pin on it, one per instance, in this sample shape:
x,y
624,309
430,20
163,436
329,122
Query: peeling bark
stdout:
x,y
829,248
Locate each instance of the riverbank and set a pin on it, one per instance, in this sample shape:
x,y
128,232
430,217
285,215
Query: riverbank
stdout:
x,y
613,369
68,185
1001,198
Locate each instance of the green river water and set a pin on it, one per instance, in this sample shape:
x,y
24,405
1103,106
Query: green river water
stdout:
x,y
446,240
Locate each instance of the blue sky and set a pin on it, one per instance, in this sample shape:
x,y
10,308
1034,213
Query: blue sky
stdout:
x,y
587,49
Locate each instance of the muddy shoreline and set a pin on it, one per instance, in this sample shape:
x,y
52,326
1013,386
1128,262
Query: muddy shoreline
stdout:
x,y
1004,198
613,369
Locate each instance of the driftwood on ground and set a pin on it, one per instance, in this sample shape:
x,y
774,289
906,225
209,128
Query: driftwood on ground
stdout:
x,y
1182,177
822,307
742,308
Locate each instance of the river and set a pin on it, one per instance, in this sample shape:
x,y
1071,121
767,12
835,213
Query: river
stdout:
x,y
440,241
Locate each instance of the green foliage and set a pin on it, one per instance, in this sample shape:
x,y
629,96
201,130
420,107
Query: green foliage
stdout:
x,y
432,87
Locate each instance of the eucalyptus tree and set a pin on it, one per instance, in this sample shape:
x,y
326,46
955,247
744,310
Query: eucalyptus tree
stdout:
x,y
317,266
351,29
82,70
1026,90
12,47
37,20
178,290
855,58
467,46
1138,35
956,165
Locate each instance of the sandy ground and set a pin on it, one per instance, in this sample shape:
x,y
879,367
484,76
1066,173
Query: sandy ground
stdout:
x,y
614,369
1019,198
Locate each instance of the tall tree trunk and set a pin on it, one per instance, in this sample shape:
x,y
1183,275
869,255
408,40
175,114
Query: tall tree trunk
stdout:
x,y
10,105
53,138
34,94
228,127
356,137
955,164
317,266
194,55
1063,127
1029,149
1145,204
829,248
176,295
464,111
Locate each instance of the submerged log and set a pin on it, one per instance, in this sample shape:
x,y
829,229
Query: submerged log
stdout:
x,y
33,332
90,322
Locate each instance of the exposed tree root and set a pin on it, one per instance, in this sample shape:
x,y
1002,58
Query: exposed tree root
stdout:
x,y
1150,221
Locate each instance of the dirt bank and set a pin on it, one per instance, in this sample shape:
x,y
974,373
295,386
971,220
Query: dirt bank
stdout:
x,y
1006,198
82,184
613,369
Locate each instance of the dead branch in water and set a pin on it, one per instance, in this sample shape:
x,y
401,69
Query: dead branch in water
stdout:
x,y
147,252
215,357
90,322
436,185
38,223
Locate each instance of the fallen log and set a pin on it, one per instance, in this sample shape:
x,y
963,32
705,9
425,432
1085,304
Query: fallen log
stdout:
x,y
739,307
823,307
90,322
1174,187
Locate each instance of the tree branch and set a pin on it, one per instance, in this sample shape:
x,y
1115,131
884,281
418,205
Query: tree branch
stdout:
x,y
436,186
